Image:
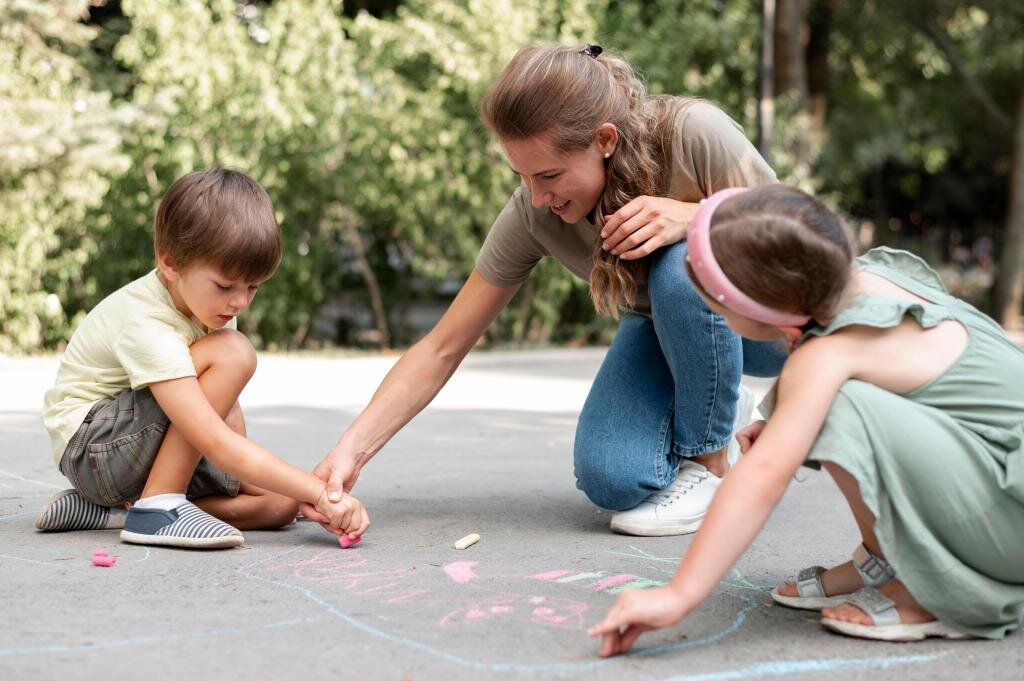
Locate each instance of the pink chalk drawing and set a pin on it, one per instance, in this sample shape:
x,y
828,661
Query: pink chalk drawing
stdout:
x,y
551,612
461,572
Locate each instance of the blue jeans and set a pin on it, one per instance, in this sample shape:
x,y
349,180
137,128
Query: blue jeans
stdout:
x,y
667,389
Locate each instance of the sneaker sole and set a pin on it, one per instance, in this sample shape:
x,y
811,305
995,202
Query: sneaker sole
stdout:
x,y
227,542
655,529
45,511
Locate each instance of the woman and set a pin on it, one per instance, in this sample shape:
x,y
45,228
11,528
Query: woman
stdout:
x,y
610,180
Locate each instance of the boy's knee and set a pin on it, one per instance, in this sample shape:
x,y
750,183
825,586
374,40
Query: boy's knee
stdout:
x,y
227,346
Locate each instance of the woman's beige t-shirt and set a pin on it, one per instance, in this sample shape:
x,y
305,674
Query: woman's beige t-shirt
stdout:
x,y
709,152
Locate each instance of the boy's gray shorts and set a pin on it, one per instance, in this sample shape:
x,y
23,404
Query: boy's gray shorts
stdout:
x,y
109,458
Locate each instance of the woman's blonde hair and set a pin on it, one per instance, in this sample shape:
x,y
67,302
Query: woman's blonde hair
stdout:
x,y
566,93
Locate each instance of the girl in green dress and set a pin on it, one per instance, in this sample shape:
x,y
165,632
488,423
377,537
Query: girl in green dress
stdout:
x,y
910,398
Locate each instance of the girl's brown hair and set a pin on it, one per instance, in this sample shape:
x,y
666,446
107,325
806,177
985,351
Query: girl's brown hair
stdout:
x,y
783,248
565,94
222,218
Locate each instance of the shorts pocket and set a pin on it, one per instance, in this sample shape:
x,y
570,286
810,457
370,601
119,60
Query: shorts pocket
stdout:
x,y
121,467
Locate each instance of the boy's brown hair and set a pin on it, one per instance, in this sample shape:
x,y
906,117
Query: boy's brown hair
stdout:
x,y
222,218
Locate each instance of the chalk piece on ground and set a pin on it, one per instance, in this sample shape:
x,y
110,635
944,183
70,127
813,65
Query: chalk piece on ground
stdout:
x,y
347,542
99,552
467,541
103,560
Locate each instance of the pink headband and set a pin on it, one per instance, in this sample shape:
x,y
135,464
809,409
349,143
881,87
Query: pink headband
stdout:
x,y
714,280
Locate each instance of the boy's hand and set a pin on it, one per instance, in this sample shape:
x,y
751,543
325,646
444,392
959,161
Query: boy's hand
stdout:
x,y
637,611
748,435
346,516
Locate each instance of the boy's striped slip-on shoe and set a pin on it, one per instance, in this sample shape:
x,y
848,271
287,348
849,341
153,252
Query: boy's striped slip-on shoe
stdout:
x,y
68,511
186,526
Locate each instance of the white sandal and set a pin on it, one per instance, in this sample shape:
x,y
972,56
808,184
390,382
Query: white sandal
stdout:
x,y
886,624
873,570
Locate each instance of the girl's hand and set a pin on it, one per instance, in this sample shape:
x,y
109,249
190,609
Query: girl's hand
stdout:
x,y
645,224
637,611
748,435
346,516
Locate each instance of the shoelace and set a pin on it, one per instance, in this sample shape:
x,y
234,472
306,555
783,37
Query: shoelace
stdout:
x,y
687,480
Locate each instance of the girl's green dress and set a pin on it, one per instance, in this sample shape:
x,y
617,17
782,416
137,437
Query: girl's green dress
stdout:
x,y
941,467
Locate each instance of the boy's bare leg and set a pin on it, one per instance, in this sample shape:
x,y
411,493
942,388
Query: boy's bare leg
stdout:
x,y
909,609
224,361
254,508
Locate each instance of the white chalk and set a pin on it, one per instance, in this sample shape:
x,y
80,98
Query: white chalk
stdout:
x,y
467,541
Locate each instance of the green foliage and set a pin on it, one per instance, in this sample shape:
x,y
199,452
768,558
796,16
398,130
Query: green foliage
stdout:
x,y
365,132
58,147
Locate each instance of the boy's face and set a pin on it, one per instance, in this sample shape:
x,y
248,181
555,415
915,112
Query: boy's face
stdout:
x,y
202,292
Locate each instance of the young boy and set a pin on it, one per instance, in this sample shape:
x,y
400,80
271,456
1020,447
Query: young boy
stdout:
x,y
144,411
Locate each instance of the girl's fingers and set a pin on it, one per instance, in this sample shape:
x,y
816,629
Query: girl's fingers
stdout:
x,y
629,637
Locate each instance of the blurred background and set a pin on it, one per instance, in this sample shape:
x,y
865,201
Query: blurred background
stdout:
x,y
360,119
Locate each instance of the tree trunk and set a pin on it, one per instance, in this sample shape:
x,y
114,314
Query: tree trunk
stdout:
x,y
819,22
1010,282
766,80
372,287
790,50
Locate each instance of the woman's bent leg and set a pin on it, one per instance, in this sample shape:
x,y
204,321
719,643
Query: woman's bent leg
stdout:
x,y
623,441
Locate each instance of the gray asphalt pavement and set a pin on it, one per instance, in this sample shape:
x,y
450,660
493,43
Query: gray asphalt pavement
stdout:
x,y
493,455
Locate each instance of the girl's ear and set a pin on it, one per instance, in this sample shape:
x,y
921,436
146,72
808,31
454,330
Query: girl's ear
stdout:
x,y
607,138
166,265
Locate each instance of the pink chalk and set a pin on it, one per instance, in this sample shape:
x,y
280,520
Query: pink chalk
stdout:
x,y
348,542
99,552
103,560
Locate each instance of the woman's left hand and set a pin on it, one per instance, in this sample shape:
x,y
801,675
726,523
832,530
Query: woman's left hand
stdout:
x,y
637,611
645,224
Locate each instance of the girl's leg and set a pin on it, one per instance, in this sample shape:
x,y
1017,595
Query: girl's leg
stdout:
x,y
910,611
622,451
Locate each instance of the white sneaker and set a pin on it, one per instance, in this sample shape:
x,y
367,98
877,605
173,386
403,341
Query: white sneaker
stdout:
x,y
677,509
680,508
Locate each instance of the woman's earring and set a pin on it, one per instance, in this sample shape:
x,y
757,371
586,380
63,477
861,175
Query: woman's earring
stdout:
x,y
607,154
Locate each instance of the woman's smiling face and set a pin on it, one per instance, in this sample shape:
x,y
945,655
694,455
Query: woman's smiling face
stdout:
x,y
568,183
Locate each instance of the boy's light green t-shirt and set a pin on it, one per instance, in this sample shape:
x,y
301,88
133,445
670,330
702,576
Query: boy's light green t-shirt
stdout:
x,y
708,152
134,337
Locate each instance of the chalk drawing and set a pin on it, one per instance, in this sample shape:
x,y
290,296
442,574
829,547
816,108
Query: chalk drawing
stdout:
x,y
15,476
461,572
755,670
552,612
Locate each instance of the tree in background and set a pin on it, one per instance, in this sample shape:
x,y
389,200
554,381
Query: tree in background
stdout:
x,y
363,127
59,147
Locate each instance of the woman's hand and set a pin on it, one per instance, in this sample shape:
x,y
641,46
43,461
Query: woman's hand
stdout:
x,y
339,470
748,435
645,224
637,611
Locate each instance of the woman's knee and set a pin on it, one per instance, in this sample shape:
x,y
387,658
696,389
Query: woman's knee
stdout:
x,y
668,281
608,486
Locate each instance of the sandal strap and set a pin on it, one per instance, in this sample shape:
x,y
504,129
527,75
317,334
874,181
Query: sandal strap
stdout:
x,y
808,582
873,570
876,605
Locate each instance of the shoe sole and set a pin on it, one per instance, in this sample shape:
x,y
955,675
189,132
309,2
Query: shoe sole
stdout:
x,y
227,542
895,632
656,529
45,510
807,602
